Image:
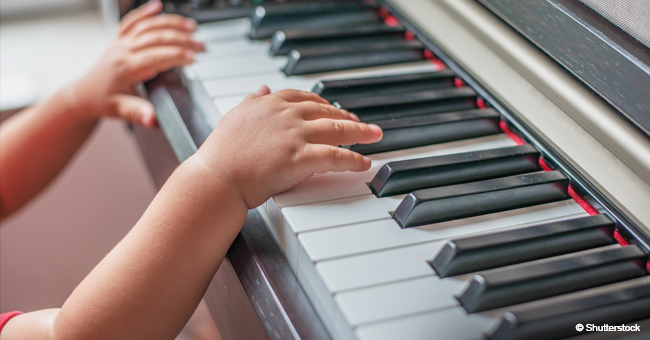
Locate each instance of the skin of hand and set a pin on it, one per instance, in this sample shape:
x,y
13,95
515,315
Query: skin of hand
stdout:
x,y
148,286
37,143
271,142
147,44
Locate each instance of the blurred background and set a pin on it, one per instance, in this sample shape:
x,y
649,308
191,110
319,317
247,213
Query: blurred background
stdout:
x,y
47,248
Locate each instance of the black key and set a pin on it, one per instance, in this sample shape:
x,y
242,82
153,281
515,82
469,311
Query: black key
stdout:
x,y
484,252
370,109
336,58
616,304
214,14
553,276
396,178
410,132
267,20
285,41
479,198
375,86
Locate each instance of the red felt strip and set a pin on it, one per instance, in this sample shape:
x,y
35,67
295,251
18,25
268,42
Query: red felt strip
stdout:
x,y
433,59
391,21
583,204
543,165
620,239
647,267
409,35
388,18
459,82
504,127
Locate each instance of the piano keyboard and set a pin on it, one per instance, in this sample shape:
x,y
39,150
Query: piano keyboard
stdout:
x,y
459,229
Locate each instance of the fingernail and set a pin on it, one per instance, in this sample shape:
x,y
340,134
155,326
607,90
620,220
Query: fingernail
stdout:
x,y
375,129
263,90
197,45
354,117
145,120
151,5
366,160
188,55
190,24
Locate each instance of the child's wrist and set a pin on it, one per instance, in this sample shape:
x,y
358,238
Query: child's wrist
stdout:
x,y
78,105
213,182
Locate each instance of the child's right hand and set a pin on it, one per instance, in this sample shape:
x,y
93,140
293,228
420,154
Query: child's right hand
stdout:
x,y
271,142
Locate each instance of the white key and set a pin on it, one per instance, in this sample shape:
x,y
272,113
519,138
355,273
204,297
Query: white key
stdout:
x,y
403,263
239,84
448,324
340,212
333,186
385,234
222,30
232,47
376,268
399,299
202,101
278,80
323,301
234,66
245,85
226,104
188,71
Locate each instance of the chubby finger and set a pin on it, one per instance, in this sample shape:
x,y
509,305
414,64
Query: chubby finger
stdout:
x,y
135,109
262,91
341,132
300,96
148,9
167,37
312,111
163,21
323,158
151,61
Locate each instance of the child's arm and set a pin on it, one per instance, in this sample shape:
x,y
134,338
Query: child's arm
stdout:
x,y
148,286
36,143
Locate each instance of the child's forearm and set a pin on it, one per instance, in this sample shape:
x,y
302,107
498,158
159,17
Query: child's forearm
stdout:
x,y
36,144
149,285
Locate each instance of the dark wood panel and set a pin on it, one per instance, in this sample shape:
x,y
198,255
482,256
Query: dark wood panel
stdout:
x,y
597,52
230,307
271,286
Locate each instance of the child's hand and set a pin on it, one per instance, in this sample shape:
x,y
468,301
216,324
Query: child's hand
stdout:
x,y
147,45
271,142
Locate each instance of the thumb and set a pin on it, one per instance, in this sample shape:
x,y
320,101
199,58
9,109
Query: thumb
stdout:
x,y
263,91
135,109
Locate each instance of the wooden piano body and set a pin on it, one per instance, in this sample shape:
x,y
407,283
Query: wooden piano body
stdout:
x,y
256,294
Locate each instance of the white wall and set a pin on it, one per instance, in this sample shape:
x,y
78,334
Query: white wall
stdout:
x,y
22,7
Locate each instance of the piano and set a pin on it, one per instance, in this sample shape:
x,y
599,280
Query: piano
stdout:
x,y
508,199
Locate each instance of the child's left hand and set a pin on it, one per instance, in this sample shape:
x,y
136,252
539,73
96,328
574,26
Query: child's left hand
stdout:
x,y
146,45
